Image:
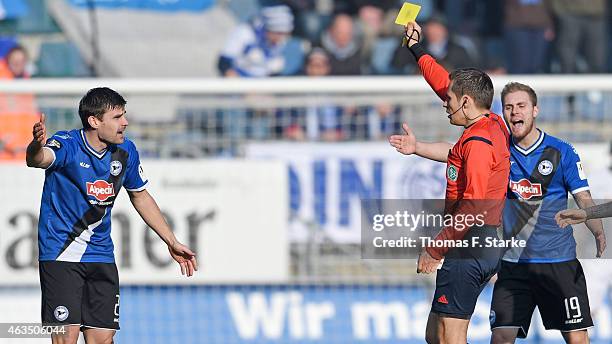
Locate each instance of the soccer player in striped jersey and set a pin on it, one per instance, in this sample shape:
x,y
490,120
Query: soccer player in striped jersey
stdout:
x,y
84,171
545,273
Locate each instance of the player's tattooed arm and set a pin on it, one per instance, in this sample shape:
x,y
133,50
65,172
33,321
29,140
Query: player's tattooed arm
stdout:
x,y
407,144
599,211
584,201
36,156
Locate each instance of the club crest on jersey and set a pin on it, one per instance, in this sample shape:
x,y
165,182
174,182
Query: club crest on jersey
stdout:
x,y
101,190
115,168
53,143
526,189
545,167
452,173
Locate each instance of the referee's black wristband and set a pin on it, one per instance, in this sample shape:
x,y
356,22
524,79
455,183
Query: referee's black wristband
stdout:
x,y
417,50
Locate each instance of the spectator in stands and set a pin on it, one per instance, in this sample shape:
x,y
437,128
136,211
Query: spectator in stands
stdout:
x,y
369,17
527,21
384,119
447,50
310,17
465,17
344,46
255,49
18,112
322,121
14,65
581,25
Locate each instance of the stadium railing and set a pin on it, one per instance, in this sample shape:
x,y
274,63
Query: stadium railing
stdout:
x,y
217,117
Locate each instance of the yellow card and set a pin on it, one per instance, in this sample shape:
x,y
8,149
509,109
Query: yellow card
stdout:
x,y
407,14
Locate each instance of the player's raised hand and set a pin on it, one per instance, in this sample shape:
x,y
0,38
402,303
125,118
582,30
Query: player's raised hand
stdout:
x,y
406,143
39,132
412,32
185,257
568,217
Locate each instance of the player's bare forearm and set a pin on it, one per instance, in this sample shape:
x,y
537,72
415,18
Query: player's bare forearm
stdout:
x,y
599,211
149,211
584,200
152,215
34,154
437,151
37,156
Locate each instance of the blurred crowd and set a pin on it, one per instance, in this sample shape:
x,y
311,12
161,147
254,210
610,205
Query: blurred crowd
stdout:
x,y
318,38
359,37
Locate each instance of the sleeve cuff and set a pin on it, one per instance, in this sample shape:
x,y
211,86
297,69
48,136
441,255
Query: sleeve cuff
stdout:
x,y
417,50
144,186
584,188
54,157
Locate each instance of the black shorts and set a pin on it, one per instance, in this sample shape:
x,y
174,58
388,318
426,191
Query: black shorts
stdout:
x,y
558,290
84,294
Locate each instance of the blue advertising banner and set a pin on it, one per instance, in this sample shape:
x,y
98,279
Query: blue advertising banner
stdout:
x,y
328,181
301,314
154,5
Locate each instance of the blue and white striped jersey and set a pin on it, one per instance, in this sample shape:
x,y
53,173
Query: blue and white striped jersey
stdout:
x,y
80,189
540,178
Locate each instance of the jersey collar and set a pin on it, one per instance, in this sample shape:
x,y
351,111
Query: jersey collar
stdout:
x,y
89,148
532,147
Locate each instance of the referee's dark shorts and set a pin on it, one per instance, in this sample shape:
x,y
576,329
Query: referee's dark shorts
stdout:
x,y
464,273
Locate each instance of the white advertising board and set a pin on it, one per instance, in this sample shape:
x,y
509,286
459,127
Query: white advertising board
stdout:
x,y
233,213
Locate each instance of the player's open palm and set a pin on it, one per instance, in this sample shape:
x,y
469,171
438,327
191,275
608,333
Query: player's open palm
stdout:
x,y
406,143
39,131
185,257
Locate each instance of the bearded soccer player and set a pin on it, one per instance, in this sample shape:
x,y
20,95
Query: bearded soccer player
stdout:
x,y
84,171
545,272
477,178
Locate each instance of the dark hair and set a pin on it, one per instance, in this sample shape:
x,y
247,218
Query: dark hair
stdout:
x,y
512,87
98,101
474,83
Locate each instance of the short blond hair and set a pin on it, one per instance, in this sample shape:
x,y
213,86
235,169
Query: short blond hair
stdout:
x,y
512,87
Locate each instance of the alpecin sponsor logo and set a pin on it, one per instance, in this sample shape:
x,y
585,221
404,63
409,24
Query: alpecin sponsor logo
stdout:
x,y
526,189
101,190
